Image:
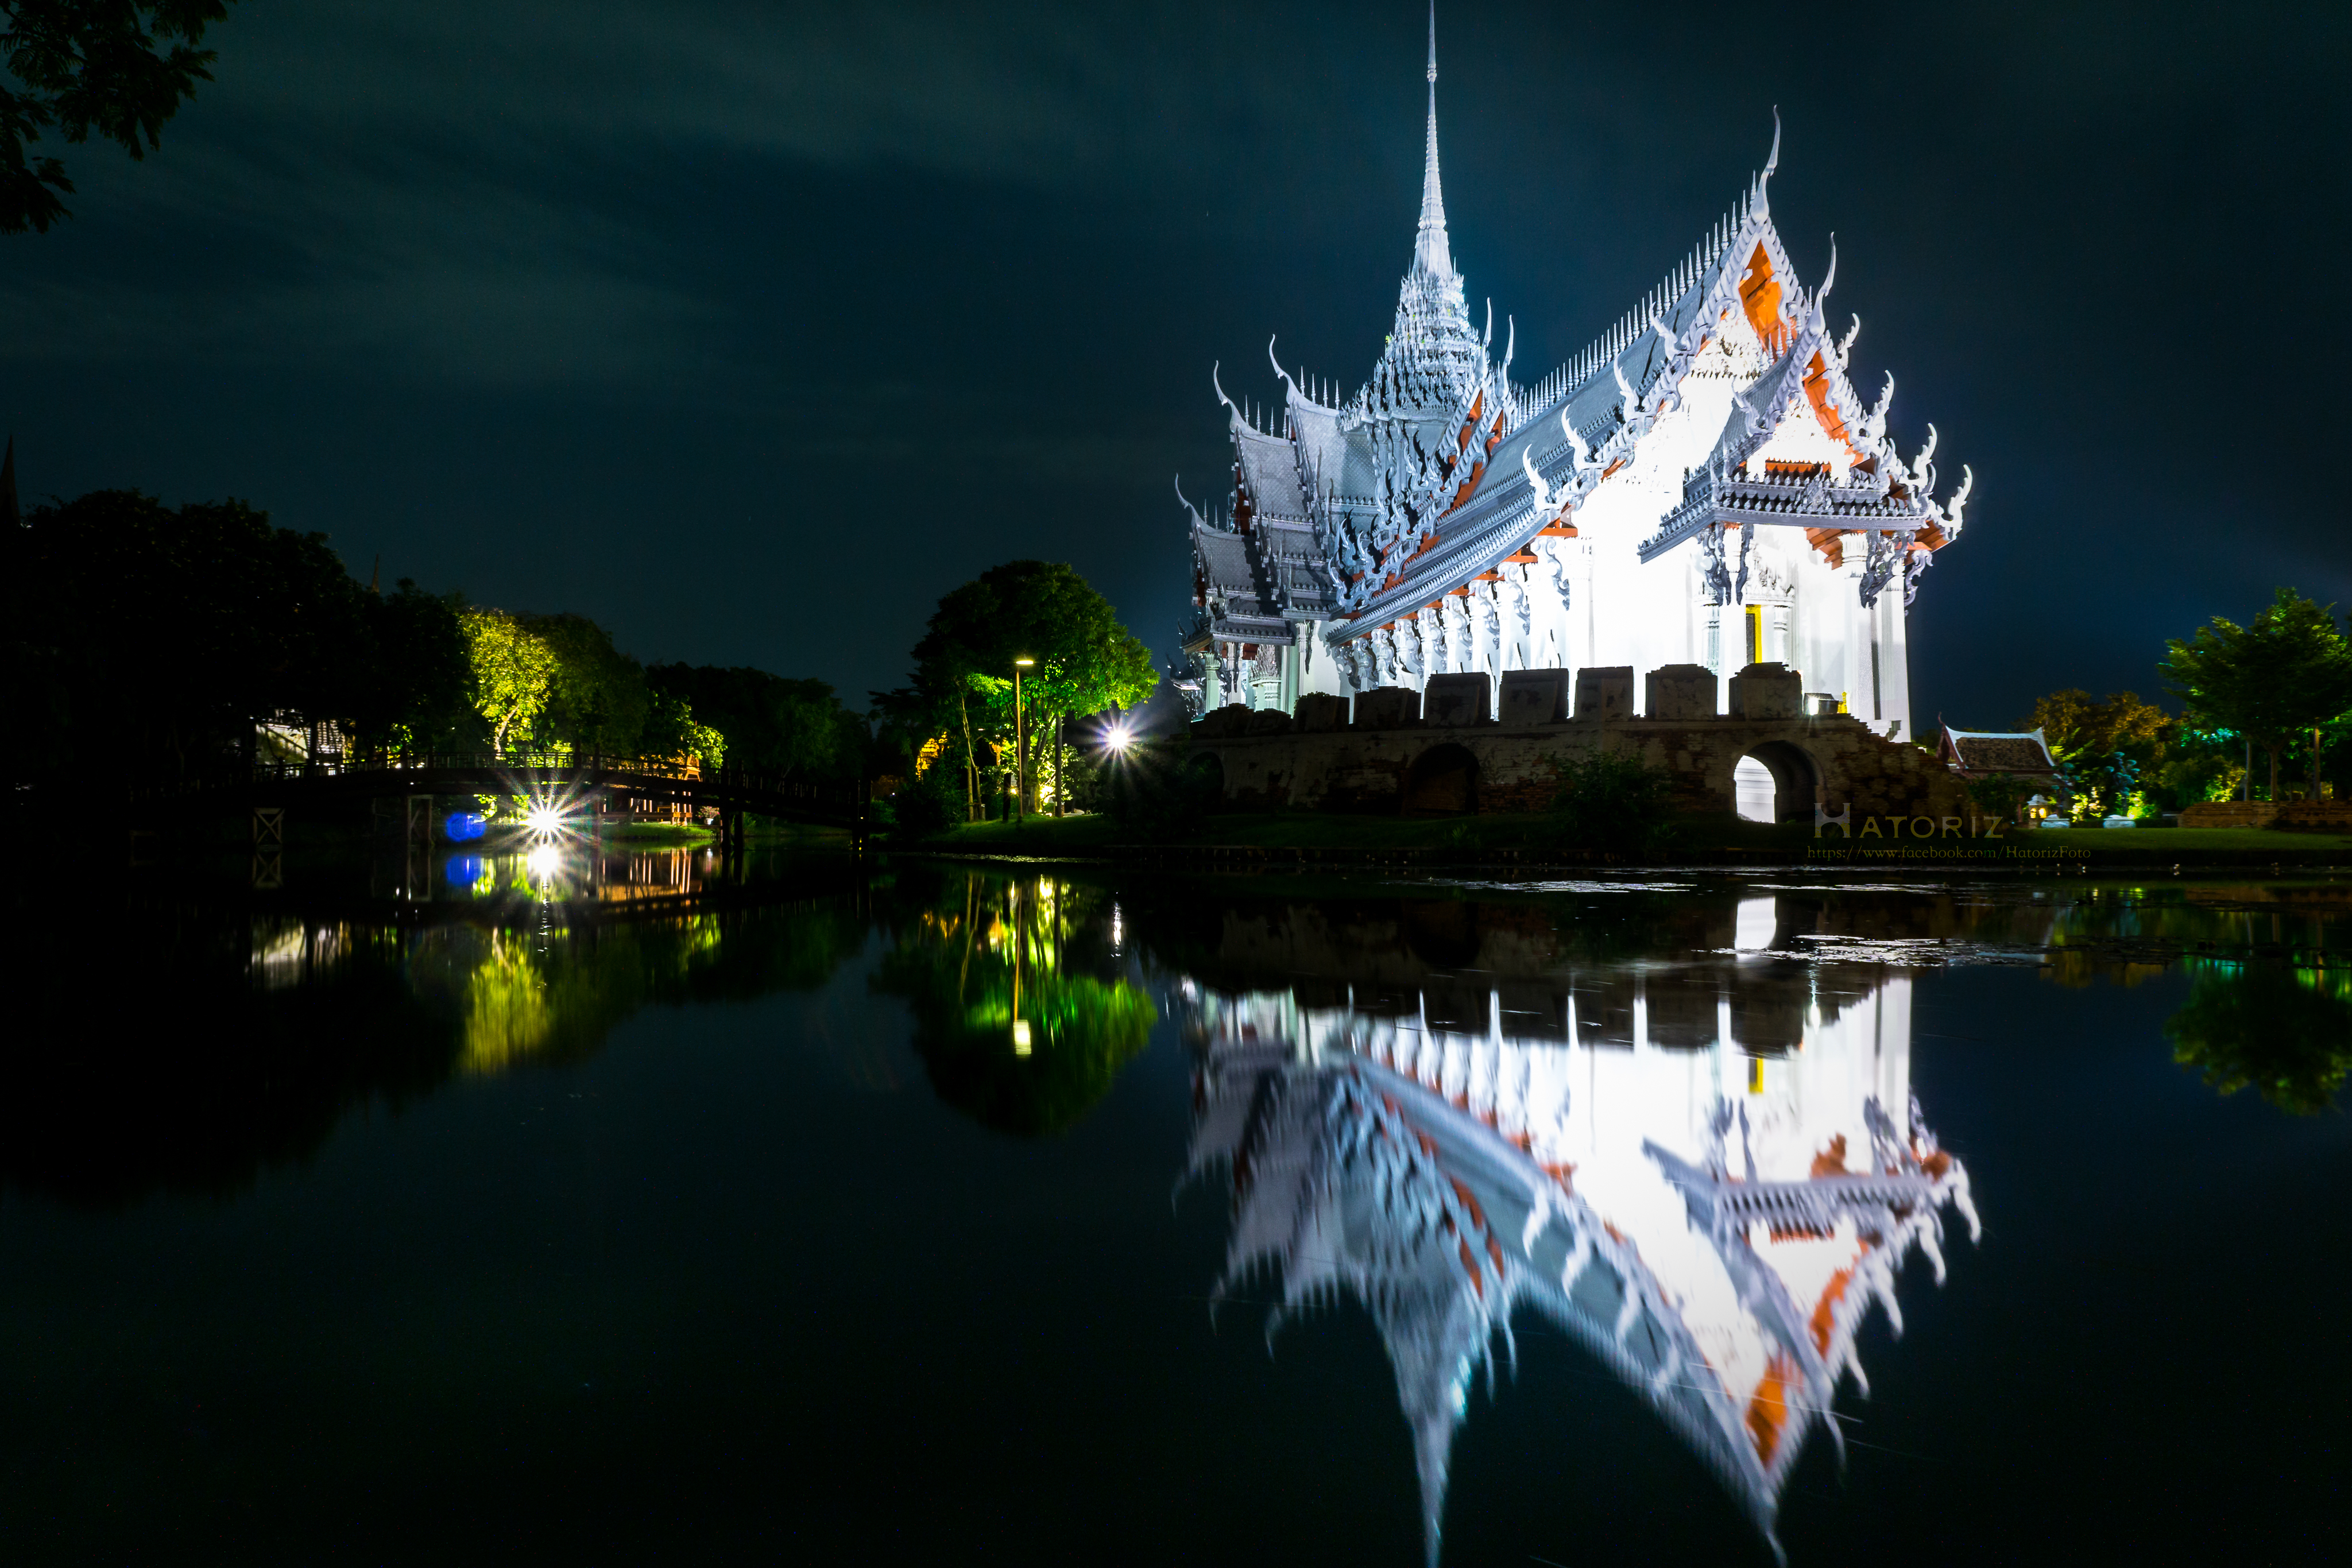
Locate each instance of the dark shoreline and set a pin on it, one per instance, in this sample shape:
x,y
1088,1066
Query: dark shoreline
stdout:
x,y
1256,859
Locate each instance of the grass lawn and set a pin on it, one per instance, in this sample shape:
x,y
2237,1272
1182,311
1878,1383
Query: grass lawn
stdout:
x,y
656,833
775,830
767,830
2200,839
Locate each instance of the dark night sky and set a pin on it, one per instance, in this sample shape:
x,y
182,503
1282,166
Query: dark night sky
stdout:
x,y
751,330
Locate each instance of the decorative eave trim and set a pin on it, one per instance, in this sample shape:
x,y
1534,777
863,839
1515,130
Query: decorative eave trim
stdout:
x,y
1716,500
1276,632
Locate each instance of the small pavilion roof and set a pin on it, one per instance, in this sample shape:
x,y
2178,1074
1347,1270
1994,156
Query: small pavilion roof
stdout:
x,y
1978,752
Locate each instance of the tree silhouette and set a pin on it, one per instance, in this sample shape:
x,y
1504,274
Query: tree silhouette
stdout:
x,y
119,67
2287,672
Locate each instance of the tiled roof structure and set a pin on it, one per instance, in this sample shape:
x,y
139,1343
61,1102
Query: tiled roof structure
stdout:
x,y
1441,467
1978,754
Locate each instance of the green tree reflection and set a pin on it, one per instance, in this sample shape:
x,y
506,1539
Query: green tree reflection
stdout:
x,y
1021,1018
244,1043
518,996
2286,1032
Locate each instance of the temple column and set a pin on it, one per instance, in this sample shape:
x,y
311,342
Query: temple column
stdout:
x,y
1895,663
1849,665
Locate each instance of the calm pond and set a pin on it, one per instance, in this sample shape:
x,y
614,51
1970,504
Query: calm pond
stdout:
x,y
605,1207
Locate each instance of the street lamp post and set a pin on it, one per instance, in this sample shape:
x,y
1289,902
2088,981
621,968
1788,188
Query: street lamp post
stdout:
x,y
1020,750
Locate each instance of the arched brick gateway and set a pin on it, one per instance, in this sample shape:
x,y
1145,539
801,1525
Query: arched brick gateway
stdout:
x,y
1374,760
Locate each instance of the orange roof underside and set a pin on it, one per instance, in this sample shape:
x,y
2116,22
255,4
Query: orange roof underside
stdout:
x,y
1769,1411
1817,387
1760,296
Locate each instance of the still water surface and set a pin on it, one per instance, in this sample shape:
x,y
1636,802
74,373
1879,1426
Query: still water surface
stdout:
x,y
621,1209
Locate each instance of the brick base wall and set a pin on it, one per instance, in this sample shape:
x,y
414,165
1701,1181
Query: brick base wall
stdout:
x,y
1367,769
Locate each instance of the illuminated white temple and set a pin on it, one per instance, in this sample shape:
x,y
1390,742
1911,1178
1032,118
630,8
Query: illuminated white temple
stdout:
x,y
1712,1225
1701,485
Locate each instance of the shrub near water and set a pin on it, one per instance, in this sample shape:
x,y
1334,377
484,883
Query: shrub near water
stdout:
x,y
1160,791
1612,800
929,806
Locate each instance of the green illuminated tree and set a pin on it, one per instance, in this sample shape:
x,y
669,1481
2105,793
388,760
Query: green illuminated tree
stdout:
x,y
119,67
2105,746
2074,724
1086,661
672,730
2287,675
596,695
513,671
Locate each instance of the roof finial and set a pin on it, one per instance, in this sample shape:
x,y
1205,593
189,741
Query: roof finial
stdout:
x,y
1197,518
1771,159
1430,251
1287,378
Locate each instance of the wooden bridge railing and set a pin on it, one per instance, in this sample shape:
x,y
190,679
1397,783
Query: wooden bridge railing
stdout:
x,y
740,788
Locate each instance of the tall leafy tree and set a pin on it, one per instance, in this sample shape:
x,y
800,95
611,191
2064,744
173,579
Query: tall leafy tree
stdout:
x,y
161,634
2077,725
2105,746
1084,660
419,690
596,696
513,671
774,724
116,67
2286,674
672,730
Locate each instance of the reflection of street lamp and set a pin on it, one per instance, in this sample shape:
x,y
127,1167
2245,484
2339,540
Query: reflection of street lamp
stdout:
x,y
1013,901
1020,759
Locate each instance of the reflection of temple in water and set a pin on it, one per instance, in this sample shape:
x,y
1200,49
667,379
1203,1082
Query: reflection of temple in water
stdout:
x,y
1706,1172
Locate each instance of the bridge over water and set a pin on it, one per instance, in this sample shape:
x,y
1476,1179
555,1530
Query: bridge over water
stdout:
x,y
572,783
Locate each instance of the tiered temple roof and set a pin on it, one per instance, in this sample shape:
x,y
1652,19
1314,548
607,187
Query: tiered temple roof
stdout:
x,y
1353,511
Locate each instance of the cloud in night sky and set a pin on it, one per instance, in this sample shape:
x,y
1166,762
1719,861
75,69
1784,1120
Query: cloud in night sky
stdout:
x,y
751,330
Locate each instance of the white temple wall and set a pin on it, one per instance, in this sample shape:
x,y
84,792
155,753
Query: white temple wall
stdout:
x,y
1620,611
1319,668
